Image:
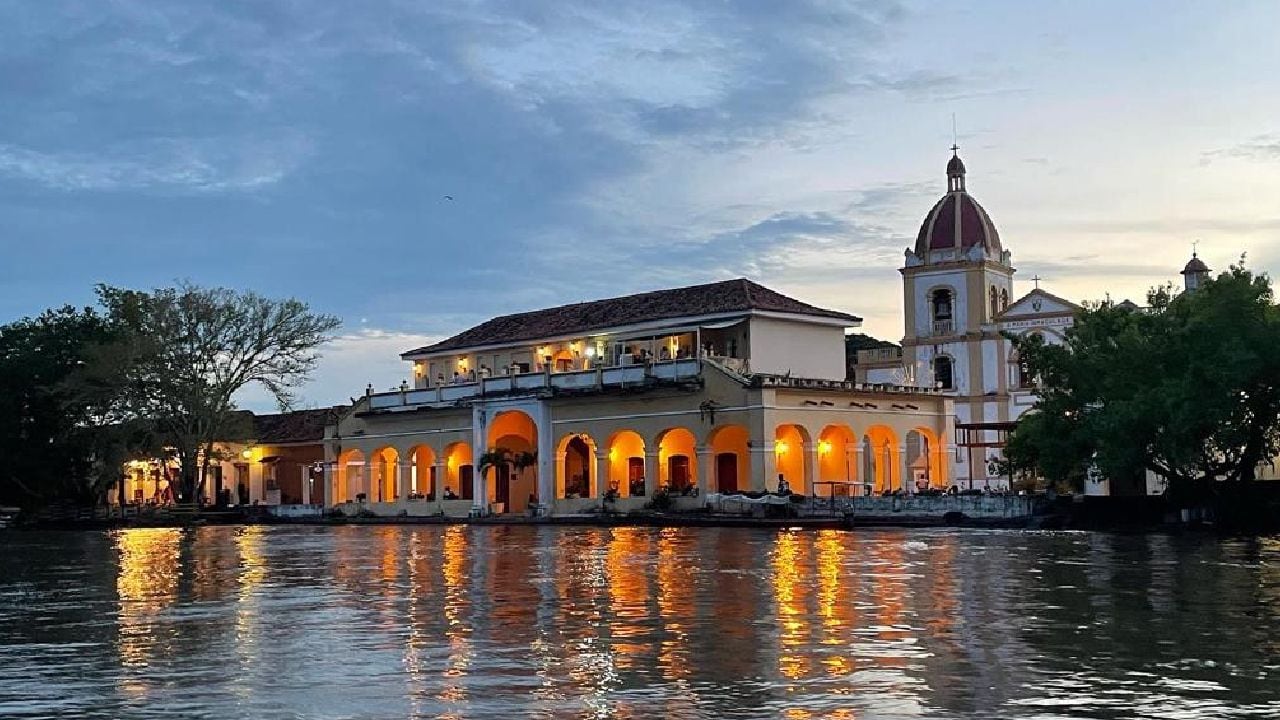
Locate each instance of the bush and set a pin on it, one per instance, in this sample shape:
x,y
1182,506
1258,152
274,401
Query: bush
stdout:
x,y
661,501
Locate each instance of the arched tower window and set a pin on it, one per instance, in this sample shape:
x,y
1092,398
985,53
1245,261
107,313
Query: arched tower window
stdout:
x,y
995,302
942,375
1004,300
942,304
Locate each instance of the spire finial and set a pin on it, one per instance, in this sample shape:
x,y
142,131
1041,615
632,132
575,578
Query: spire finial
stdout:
x,y
1194,248
1037,280
955,136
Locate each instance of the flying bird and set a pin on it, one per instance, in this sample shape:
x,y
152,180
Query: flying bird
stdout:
x,y
449,198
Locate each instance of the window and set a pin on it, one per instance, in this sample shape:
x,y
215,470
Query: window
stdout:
x,y
942,304
995,302
1004,300
942,373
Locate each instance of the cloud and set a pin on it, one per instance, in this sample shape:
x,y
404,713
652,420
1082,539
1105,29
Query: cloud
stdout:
x,y
183,164
1259,147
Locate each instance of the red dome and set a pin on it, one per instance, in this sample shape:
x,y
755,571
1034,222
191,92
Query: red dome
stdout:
x,y
957,221
942,230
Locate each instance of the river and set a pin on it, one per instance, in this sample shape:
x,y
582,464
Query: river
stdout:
x,y
524,621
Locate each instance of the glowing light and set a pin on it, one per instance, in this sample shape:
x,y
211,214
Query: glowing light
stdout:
x,y
824,447
613,454
780,446
246,453
591,351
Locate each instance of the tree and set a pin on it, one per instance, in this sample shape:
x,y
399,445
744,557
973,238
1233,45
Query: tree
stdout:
x,y
503,457
191,349
1188,388
53,391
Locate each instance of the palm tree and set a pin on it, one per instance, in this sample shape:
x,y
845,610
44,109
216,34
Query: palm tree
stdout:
x,y
503,457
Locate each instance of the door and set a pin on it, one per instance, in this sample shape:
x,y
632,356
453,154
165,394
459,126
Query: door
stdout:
x,y
678,473
727,472
635,477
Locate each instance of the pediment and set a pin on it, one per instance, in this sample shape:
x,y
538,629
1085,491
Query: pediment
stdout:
x,y
1038,302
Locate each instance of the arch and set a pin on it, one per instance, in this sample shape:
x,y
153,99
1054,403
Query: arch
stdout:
x,y
626,463
459,466
422,472
882,459
944,373
924,459
942,304
1004,299
792,458
575,466
677,460
837,455
730,446
995,302
349,480
515,432
383,464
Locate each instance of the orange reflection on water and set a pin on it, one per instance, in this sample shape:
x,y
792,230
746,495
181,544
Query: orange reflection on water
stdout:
x,y
146,584
675,581
793,618
457,601
628,592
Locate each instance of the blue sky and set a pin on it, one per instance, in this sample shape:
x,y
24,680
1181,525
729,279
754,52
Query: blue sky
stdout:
x,y
593,149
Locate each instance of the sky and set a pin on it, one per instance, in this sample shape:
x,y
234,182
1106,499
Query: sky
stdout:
x,y
306,149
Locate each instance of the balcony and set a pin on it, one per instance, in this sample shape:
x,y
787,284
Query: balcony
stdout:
x,y
532,383
943,327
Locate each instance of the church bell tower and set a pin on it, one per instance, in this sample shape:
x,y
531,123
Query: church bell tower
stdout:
x,y
956,280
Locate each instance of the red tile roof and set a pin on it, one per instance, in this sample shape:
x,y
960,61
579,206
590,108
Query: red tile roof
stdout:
x,y
728,296
291,427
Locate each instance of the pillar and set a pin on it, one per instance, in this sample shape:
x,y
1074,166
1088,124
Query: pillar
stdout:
x,y
479,487
764,468
650,472
907,480
706,468
304,486
601,474
546,455
402,480
438,472
811,464
561,474
366,479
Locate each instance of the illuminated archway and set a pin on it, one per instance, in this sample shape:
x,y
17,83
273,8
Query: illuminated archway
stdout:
x,y
458,472
575,466
837,456
514,432
883,459
626,463
925,459
382,481
677,460
422,471
731,459
349,478
790,447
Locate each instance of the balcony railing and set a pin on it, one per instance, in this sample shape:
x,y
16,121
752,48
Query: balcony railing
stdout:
x,y
617,376
880,355
943,327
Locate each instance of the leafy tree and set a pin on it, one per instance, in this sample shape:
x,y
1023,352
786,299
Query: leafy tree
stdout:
x,y
1188,388
56,445
191,349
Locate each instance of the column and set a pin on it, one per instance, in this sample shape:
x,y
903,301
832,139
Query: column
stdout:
x,y
812,462
402,480
439,470
366,480
479,441
561,477
650,472
601,477
706,470
764,468
908,481
304,486
546,456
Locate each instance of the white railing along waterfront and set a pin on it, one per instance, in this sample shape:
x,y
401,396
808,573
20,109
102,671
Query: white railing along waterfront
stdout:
x,y
616,376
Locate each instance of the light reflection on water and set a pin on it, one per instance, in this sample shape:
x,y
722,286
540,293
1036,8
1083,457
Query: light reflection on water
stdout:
x,y
467,622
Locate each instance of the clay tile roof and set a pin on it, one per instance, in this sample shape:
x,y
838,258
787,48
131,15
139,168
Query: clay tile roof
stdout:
x,y
291,427
740,295
938,232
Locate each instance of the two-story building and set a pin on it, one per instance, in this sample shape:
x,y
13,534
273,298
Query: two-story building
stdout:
x,y
714,388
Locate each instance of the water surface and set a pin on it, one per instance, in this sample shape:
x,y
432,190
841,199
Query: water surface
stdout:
x,y
471,622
